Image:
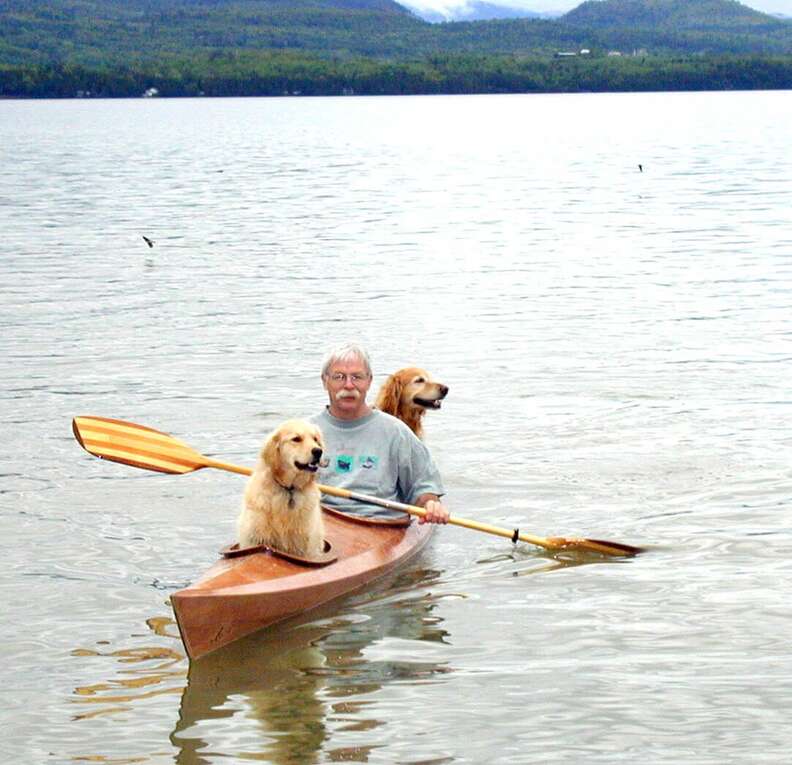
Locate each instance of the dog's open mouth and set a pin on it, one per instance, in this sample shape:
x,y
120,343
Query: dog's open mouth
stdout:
x,y
311,467
427,403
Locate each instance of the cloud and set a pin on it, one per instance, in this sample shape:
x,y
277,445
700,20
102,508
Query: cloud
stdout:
x,y
460,8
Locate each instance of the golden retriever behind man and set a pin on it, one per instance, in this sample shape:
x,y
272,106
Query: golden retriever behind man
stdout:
x,y
281,503
408,393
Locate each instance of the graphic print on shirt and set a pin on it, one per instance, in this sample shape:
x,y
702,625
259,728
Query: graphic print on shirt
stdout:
x,y
368,462
343,463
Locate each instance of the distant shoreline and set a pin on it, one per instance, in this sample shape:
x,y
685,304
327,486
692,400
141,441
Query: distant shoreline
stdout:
x,y
304,75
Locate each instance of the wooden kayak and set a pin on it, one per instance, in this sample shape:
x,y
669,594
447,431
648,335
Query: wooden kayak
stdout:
x,y
243,593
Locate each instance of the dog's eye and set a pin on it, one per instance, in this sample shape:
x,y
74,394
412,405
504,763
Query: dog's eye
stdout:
x,y
419,380
297,439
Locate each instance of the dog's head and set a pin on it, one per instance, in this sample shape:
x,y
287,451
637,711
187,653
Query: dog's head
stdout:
x,y
410,391
292,453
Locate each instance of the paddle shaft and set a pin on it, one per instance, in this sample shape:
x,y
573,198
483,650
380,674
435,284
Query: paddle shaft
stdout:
x,y
335,491
420,512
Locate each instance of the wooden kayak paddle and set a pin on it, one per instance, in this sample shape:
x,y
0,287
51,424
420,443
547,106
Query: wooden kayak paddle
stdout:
x,y
139,446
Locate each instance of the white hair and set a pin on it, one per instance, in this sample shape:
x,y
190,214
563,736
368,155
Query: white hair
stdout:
x,y
346,352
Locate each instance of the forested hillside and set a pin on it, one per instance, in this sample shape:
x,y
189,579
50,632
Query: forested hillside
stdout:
x,y
689,26
672,14
98,31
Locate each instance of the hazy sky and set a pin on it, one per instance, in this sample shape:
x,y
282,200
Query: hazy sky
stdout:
x,y
768,6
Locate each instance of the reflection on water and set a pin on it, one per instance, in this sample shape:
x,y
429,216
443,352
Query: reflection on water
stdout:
x,y
307,681
531,564
265,679
300,682
145,672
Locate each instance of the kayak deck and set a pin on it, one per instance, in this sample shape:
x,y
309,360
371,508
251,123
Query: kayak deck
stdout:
x,y
241,595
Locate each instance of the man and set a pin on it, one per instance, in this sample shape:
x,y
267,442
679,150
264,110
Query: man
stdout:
x,y
368,451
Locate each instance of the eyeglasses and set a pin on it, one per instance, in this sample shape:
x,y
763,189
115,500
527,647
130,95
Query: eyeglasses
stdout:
x,y
340,377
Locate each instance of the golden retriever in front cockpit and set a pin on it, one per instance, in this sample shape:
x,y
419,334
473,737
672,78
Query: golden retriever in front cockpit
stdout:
x,y
281,503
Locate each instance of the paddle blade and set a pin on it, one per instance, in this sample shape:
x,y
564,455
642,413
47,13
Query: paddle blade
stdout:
x,y
601,546
607,547
135,445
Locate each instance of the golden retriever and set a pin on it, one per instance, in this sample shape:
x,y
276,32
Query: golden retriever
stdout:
x,y
281,502
408,393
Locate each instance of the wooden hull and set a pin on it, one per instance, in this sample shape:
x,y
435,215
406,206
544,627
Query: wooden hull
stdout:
x,y
241,595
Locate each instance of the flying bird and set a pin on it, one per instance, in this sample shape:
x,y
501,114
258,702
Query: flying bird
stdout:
x,y
148,241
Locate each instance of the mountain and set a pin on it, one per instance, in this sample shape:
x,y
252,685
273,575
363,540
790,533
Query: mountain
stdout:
x,y
93,31
682,15
691,26
102,33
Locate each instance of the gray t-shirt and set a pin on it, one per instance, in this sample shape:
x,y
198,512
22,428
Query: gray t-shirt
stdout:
x,y
376,455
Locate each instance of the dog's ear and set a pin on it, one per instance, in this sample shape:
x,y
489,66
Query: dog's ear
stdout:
x,y
390,395
270,451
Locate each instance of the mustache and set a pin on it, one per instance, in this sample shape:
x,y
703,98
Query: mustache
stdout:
x,y
347,394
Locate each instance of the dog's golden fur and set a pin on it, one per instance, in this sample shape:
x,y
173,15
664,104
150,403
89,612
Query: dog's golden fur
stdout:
x,y
281,503
408,393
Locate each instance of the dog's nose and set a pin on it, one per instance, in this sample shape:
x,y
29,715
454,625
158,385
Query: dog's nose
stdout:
x,y
317,453
443,390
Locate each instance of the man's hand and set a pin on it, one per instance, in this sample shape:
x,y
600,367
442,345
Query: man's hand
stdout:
x,y
436,512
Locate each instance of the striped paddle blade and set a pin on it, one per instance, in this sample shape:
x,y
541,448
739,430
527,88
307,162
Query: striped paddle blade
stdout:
x,y
136,445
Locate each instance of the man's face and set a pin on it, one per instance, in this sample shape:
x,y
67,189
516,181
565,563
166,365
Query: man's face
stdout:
x,y
347,383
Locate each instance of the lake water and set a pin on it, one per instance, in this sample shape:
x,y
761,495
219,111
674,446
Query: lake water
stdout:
x,y
618,345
